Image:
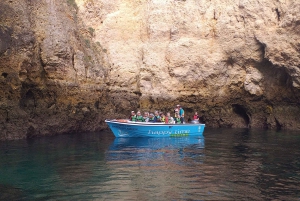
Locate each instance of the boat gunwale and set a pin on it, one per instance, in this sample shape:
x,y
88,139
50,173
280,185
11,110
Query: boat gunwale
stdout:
x,y
132,123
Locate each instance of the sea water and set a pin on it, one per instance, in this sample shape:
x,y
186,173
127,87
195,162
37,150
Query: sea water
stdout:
x,y
224,164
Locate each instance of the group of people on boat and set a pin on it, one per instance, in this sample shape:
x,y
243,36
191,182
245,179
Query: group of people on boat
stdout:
x,y
159,116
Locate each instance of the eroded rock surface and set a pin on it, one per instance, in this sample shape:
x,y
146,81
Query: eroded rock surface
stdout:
x,y
67,65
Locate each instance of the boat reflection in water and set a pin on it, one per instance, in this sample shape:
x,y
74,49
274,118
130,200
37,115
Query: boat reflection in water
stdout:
x,y
155,168
147,149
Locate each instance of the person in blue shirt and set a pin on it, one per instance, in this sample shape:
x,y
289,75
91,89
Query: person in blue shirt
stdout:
x,y
181,113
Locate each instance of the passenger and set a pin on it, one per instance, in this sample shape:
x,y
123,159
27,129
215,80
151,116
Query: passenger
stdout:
x,y
132,116
177,119
181,113
151,117
176,110
139,117
162,118
169,119
196,116
146,116
156,117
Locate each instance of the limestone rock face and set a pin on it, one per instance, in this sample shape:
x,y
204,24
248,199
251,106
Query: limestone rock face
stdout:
x,y
53,75
67,65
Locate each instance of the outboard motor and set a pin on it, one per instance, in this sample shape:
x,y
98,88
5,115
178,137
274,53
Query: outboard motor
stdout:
x,y
195,122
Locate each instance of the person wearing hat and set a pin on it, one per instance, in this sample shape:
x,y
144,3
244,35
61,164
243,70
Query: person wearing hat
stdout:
x,y
132,116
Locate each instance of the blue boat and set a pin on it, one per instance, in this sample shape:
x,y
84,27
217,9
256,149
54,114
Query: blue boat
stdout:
x,y
125,128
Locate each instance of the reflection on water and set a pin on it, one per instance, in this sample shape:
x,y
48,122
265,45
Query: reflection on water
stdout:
x,y
226,164
155,148
163,166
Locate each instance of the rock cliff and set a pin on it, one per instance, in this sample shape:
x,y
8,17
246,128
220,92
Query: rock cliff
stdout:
x,y
66,65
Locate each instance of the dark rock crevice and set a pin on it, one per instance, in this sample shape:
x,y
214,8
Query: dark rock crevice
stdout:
x,y
278,125
242,112
278,14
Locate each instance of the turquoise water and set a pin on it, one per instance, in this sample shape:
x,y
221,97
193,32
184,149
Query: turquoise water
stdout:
x,y
226,164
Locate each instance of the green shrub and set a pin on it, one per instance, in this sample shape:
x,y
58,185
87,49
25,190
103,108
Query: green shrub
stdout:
x,y
72,3
87,43
92,31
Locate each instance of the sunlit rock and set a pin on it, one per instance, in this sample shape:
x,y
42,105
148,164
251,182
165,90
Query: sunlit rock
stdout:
x,y
67,65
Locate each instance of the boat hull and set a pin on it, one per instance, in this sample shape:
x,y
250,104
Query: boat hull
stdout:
x,y
142,129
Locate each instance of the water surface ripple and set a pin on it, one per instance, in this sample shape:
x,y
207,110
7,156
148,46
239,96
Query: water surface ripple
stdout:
x,y
225,164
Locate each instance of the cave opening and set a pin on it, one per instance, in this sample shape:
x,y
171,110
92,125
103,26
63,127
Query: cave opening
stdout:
x,y
5,75
28,101
29,95
241,111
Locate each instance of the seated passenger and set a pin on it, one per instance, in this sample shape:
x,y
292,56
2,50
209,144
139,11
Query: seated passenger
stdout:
x,y
196,116
146,116
132,116
177,119
151,117
169,119
156,117
162,118
139,117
